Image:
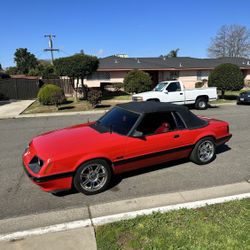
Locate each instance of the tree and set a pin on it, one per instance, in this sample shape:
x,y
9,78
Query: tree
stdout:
x,y
137,81
230,41
226,77
11,71
24,60
76,67
1,69
172,53
45,70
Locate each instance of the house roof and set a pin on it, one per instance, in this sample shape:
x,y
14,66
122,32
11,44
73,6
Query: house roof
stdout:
x,y
170,63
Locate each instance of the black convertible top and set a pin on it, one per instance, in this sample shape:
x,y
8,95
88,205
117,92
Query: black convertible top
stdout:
x,y
190,119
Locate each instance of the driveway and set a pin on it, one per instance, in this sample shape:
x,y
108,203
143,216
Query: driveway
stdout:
x,y
11,109
21,197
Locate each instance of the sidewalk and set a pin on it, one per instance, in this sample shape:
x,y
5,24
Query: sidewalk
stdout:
x,y
77,226
12,108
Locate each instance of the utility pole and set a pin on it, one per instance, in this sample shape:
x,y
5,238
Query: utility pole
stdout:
x,y
51,49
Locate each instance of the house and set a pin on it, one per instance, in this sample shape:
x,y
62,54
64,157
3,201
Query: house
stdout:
x,y
189,70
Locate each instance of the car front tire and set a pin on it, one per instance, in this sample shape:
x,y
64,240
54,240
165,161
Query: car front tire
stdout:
x,y
92,177
204,151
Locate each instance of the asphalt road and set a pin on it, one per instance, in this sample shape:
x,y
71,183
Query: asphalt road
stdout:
x,y
19,196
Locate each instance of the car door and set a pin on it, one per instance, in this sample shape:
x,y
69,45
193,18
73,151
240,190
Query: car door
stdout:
x,y
174,93
153,149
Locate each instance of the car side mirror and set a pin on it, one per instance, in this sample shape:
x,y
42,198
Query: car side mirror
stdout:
x,y
166,92
137,134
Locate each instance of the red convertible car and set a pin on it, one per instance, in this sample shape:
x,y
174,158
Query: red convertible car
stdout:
x,y
130,136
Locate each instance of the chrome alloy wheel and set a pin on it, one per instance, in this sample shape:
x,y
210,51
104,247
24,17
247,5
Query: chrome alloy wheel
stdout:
x,y
93,177
206,151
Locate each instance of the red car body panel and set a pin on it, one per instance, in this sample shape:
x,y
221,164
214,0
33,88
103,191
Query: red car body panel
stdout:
x,y
64,150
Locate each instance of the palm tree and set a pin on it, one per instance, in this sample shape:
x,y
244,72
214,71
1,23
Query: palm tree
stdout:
x,y
173,53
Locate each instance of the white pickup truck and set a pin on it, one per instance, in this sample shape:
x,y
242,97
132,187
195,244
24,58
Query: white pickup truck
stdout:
x,y
175,92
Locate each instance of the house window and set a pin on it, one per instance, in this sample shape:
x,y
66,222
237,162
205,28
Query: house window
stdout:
x,y
174,75
99,76
201,75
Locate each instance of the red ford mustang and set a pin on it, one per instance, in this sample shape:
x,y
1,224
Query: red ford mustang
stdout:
x,y
130,136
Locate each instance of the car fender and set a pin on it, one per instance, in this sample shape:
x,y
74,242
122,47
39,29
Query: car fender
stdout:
x,y
203,135
93,156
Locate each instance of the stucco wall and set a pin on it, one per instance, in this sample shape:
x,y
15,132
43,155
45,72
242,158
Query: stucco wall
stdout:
x,y
188,77
115,76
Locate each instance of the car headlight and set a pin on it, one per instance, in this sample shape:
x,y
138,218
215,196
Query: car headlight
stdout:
x,y
35,164
137,98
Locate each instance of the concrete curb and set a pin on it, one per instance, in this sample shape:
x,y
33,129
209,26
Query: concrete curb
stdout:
x,y
105,213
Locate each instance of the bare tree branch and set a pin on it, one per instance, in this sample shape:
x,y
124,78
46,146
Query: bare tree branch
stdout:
x,y
230,41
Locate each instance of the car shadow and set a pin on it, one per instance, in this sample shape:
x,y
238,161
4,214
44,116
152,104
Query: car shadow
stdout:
x,y
118,178
222,149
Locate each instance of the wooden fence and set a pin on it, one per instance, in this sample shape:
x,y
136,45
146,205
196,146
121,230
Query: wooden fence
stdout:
x,y
23,89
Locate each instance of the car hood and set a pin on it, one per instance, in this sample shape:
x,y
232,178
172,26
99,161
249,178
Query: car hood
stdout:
x,y
70,141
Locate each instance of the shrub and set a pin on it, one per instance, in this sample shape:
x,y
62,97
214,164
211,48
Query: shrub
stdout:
x,y
94,97
137,81
226,77
51,94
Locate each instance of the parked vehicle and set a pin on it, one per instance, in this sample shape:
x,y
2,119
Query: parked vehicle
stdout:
x,y
175,92
130,136
244,98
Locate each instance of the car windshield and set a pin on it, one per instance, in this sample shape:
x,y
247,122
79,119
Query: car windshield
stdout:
x,y
118,120
160,86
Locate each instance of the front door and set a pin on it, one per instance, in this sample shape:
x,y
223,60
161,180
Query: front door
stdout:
x,y
174,94
161,141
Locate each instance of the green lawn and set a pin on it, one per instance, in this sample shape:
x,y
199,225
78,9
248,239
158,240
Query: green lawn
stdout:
x,y
221,226
70,106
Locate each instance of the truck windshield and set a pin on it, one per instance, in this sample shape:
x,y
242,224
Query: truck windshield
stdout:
x,y
160,86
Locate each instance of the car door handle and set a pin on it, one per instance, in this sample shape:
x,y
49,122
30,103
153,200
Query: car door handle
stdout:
x,y
176,136
181,93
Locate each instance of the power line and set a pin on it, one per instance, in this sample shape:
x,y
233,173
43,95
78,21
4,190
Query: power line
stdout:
x,y
51,49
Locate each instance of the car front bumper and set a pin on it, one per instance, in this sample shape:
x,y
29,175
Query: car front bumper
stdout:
x,y
51,183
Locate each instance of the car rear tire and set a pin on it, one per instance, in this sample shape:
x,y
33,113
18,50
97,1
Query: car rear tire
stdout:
x,y
204,151
92,177
201,103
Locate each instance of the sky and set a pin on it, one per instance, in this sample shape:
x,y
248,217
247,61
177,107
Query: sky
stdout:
x,y
106,27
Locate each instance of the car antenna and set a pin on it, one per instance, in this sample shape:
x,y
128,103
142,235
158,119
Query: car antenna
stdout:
x,y
110,129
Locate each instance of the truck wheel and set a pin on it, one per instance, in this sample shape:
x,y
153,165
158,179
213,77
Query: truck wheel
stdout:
x,y
201,103
153,100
